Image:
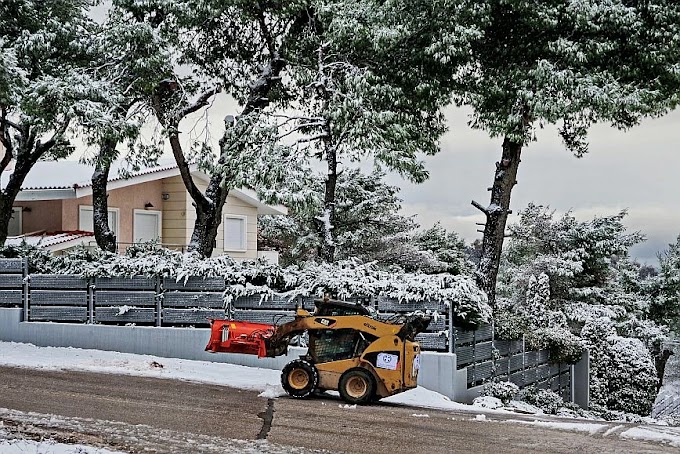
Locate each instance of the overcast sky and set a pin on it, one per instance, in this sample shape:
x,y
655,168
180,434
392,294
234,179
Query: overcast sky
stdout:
x,y
635,169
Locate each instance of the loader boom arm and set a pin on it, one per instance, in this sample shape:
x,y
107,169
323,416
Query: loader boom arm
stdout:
x,y
271,341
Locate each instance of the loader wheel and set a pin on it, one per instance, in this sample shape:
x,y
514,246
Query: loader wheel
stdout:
x,y
299,378
357,386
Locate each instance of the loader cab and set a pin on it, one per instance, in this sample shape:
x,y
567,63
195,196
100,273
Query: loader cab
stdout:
x,y
334,308
337,344
327,345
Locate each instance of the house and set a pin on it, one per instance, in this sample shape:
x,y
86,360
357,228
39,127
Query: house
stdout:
x,y
55,208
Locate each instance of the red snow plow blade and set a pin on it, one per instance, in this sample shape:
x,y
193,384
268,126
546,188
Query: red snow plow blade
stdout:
x,y
230,336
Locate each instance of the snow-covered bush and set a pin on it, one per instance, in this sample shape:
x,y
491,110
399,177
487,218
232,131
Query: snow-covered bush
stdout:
x,y
339,280
566,284
503,390
622,372
548,401
564,346
39,259
541,327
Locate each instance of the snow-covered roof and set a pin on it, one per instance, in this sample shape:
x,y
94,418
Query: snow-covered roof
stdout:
x,y
73,174
56,180
53,241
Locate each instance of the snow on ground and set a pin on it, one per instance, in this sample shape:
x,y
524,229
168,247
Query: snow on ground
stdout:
x,y
666,435
587,427
266,381
10,445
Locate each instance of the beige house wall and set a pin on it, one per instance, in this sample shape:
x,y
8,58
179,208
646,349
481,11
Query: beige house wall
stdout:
x,y
241,208
176,230
40,215
126,200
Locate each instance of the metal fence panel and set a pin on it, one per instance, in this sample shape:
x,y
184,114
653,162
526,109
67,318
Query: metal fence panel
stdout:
x,y
271,317
394,305
125,283
264,302
517,378
58,281
11,281
58,298
12,266
193,299
11,297
432,341
195,283
516,362
479,372
543,372
125,314
191,316
58,313
116,298
434,326
464,337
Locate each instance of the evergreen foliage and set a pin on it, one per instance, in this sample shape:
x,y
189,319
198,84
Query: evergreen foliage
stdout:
x,y
341,280
569,284
46,52
368,226
665,307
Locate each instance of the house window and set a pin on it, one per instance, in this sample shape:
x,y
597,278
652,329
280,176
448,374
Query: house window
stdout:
x,y
147,225
86,221
15,222
235,233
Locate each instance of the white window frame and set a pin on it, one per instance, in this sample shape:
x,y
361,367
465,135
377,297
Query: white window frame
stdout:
x,y
19,211
116,228
244,238
159,215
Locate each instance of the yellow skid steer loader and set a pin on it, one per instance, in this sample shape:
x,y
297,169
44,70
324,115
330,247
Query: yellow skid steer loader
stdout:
x,y
363,358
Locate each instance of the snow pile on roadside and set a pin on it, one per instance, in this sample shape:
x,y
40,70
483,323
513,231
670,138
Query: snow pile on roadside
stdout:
x,y
77,359
666,435
590,428
11,445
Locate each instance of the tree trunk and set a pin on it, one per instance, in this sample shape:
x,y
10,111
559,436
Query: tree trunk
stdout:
x,y
208,218
496,213
25,162
6,204
327,221
103,234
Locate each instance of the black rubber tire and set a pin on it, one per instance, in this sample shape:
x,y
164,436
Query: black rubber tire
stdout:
x,y
299,378
357,386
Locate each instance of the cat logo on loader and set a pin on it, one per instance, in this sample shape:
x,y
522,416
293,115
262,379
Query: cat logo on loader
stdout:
x,y
363,358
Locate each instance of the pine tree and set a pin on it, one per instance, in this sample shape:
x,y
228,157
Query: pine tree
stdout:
x,y
588,293
666,302
45,86
237,47
132,61
568,63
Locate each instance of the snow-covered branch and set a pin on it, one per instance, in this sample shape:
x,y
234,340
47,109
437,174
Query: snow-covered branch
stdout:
x,y
202,101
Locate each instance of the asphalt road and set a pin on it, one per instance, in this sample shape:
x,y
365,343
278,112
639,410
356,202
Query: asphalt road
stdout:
x,y
134,414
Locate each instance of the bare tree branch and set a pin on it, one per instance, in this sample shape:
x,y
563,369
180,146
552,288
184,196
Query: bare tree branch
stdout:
x,y
480,207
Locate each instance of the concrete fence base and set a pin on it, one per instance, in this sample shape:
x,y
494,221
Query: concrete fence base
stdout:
x,y
438,370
